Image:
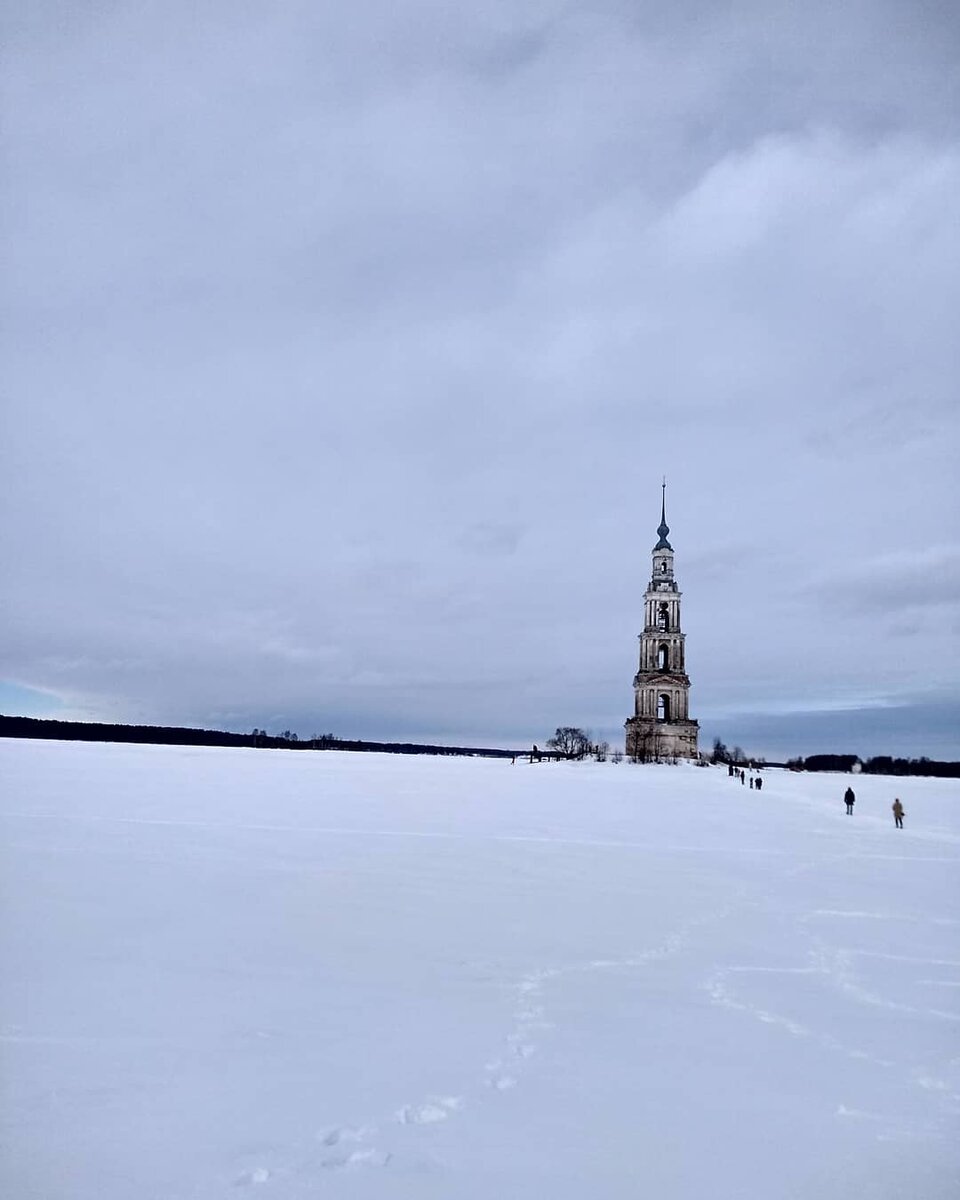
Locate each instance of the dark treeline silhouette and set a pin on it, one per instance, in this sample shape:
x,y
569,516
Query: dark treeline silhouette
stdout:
x,y
737,757
162,735
824,762
881,764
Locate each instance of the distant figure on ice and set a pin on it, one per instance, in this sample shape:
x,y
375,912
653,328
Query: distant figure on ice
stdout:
x,y
898,812
759,782
743,777
751,783
730,770
848,799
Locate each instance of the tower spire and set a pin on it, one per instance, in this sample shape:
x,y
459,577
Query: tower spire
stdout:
x,y
663,529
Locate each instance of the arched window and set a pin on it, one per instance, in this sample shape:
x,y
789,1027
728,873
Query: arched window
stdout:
x,y
663,707
663,658
663,567
663,616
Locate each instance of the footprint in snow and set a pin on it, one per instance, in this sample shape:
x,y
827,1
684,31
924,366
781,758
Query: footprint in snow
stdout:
x,y
365,1157
436,1109
340,1138
255,1176
497,1078
344,1133
520,1046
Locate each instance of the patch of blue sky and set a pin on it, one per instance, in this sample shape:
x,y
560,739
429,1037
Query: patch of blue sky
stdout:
x,y
19,701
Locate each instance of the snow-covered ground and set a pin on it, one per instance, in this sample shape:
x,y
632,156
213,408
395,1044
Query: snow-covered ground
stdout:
x,y
368,976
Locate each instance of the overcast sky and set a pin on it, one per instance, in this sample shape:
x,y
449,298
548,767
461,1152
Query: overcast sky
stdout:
x,y
345,347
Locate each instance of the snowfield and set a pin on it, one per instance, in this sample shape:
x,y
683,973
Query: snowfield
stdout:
x,y
286,974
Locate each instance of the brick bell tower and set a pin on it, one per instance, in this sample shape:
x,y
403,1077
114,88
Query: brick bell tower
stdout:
x,y
661,727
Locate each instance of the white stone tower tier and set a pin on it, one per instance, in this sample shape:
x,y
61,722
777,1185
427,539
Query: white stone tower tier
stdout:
x,y
660,728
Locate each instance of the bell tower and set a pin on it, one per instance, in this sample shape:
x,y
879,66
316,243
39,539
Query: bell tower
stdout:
x,y
661,727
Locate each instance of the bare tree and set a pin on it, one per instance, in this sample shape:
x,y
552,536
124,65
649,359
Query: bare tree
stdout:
x,y
570,742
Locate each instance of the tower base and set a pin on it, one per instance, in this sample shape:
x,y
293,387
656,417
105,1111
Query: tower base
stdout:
x,y
661,741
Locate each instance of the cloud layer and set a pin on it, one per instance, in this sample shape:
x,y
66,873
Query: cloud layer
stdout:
x,y
345,351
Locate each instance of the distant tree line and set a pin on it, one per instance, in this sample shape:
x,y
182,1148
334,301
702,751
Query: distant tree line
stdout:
x,y
736,756
881,764
824,762
568,742
163,735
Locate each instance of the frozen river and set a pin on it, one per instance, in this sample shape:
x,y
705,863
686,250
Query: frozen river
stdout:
x,y
322,974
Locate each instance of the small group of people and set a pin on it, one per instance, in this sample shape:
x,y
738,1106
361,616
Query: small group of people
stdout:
x,y
756,781
849,799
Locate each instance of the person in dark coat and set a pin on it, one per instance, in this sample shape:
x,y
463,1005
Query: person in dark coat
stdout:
x,y
848,799
898,812
759,782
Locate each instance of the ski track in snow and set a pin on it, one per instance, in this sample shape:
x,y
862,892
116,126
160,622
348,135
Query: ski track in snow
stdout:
x,y
834,966
416,834
355,1147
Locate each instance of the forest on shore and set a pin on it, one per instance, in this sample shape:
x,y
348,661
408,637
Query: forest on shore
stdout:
x,y
164,735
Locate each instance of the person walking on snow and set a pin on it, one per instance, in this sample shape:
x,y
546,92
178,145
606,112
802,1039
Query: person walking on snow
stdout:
x,y
898,812
848,799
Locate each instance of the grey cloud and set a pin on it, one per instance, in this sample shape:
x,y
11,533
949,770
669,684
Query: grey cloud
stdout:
x,y
490,538
895,584
345,352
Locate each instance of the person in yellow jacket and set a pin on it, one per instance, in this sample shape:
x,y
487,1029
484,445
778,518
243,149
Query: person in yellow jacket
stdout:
x,y
897,812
